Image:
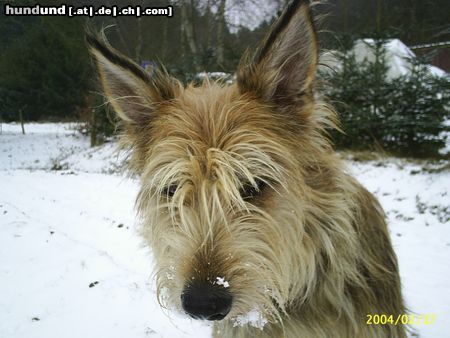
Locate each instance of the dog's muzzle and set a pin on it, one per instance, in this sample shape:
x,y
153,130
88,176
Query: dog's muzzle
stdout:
x,y
206,301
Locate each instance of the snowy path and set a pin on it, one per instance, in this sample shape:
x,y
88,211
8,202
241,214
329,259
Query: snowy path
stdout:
x,y
72,265
61,233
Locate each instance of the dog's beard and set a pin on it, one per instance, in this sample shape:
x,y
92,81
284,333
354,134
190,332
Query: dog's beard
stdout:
x,y
250,252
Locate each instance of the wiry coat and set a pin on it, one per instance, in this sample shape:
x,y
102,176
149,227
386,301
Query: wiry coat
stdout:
x,y
309,247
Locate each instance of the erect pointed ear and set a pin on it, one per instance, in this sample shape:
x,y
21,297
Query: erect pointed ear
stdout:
x,y
283,68
131,91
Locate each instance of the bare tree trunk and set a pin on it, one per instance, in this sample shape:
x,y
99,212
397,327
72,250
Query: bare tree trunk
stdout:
x,y
93,127
164,39
190,50
119,31
221,25
345,5
378,17
188,30
183,43
121,38
194,6
138,49
208,24
21,121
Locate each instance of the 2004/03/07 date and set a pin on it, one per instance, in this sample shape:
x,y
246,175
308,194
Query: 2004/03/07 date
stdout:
x,y
410,319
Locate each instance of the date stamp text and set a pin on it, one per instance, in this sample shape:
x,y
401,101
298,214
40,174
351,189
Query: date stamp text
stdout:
x,y
401,319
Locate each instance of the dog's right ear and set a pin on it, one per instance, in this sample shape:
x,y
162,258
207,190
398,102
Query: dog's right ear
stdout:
x,y
282,69
131,91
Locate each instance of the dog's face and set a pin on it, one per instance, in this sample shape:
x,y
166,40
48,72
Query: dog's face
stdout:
x,y
222,172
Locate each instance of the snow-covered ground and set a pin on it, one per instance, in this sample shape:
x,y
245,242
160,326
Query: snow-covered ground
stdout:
x,y
72,264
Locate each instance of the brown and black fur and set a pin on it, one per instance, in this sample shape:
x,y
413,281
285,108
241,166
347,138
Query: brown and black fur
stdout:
x,y
241,182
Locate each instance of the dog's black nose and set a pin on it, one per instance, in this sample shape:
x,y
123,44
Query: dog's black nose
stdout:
x,y
206,301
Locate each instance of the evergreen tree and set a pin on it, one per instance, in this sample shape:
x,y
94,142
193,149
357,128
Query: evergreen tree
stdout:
x,y
417,107
45,71
404,115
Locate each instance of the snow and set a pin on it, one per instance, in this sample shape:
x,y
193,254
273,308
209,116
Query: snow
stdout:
x,y
253,318
214,76
222,281
249,14
41,147
436,71
73,265
63,231
445,134
398,57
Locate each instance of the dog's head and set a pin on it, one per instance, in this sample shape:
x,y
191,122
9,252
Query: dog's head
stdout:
x,y
223,171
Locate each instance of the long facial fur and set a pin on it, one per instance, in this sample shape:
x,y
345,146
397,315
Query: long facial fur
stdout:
x,y
299,248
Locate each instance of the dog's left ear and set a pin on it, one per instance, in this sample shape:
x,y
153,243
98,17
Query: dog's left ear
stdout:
x,y
133,93
283,68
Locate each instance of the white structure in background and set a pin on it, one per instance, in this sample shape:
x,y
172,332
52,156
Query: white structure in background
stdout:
x,y
398,57
213,76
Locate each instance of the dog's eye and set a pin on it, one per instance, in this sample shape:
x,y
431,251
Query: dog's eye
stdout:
x,y
249,191
170,190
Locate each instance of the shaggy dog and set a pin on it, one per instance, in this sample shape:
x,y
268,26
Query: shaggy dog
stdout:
x,y
252,218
